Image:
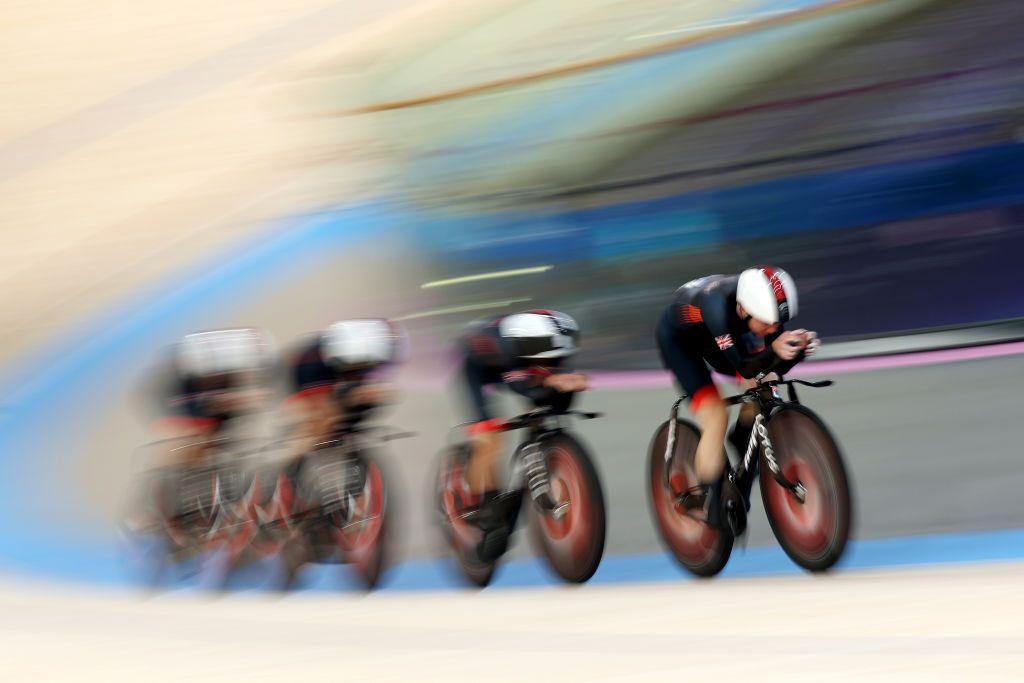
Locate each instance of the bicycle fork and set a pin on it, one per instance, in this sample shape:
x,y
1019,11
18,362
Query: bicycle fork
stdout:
x,y
538,481
760,433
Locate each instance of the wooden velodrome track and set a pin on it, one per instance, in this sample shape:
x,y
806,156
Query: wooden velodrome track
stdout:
x,y
137,137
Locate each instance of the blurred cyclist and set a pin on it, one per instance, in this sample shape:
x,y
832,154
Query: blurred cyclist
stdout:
x,y
205,384
527,352
335,378
734,324
208,380
335,381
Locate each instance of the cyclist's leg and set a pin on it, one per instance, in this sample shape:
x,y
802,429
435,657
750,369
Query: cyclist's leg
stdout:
x,y
491,510
739,435
484,433
308,415
694,378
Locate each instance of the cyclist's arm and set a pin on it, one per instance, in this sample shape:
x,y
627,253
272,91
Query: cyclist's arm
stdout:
x,y
529,382
715,311
781,367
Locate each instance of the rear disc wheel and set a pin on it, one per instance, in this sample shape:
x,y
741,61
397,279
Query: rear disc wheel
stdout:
x,y
698,547
451,497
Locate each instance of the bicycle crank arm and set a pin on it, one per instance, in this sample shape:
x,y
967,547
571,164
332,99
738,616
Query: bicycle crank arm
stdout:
x,y
359,522
797,489
550,506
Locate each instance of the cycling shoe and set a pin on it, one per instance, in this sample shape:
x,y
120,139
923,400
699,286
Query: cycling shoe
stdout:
x,y
496,518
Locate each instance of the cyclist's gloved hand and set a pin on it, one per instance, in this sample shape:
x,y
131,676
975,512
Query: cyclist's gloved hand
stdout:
x,y
567,382
807,341
787,345
813,343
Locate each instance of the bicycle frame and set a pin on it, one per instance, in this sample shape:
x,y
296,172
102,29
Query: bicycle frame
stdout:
x,y
759,433
528,458
766,397
342,472
542,424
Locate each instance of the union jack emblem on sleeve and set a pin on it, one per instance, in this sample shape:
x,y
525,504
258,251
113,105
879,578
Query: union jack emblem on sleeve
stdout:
x,y
724,342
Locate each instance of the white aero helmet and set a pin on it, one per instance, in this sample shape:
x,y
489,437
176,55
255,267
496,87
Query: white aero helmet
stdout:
x,y
369,342
768,294
540,334
217,352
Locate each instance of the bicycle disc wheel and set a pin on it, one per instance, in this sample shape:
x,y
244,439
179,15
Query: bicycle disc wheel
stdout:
x,y
699,548
363,537
450,497
574,543
814,532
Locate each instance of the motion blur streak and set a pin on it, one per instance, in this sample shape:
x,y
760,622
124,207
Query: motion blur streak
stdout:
x,y
462,309
486,276
174,171
713,32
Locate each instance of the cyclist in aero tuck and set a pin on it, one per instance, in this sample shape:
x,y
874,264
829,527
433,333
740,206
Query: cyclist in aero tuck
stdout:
x,y
336,376
528,353
208,380
735,325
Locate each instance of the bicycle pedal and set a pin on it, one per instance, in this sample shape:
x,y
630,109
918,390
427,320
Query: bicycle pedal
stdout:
x,y
691,501
800,492
361,522
735,519
471,516
560,511
500,512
